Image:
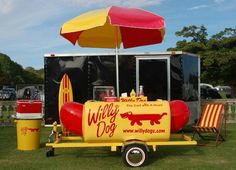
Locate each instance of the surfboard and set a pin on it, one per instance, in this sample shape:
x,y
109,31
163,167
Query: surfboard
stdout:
x,y
65,95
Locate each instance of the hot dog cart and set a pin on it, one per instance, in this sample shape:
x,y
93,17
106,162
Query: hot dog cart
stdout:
x,y
135,128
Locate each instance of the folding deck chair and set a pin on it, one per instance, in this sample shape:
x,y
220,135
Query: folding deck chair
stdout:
x,y
210,122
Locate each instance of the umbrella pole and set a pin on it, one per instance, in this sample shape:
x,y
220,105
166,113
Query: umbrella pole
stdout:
x,y
117,64
117,74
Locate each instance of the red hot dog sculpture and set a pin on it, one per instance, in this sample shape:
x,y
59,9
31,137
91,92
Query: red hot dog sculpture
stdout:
x,y
123,121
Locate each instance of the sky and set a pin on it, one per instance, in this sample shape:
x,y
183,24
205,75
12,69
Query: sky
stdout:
x,y
31,28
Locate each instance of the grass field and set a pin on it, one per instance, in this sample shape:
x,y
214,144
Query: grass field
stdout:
x,y
166,157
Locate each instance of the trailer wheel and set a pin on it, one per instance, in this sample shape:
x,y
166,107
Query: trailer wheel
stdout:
x,y
135,155
50,152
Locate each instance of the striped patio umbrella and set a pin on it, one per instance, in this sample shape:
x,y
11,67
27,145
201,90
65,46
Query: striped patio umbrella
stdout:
x,y
113,26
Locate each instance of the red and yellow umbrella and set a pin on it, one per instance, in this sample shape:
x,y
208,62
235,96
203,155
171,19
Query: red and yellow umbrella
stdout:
x,y
109,27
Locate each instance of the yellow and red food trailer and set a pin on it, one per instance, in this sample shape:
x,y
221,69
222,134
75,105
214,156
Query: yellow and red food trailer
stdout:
x,y
133,125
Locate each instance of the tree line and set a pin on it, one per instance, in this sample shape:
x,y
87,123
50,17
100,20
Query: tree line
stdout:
x,y
11,73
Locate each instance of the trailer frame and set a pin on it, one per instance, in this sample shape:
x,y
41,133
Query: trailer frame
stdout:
x,y
127,148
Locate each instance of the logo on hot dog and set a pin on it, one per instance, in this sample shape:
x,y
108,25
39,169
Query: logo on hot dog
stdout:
x,y
137,118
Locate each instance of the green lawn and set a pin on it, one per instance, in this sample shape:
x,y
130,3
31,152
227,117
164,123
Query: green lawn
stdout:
x,y
166,157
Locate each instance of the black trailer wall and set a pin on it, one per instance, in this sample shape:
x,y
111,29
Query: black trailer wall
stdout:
x,y
85,72
184,77
88,71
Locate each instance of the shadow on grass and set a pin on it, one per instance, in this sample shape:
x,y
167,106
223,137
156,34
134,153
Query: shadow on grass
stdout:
x,y
43,144
164,152
97,152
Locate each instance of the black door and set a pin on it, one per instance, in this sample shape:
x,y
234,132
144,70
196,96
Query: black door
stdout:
x,y
153,75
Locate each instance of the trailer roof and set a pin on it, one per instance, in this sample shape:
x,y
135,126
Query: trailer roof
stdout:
x,y
120,53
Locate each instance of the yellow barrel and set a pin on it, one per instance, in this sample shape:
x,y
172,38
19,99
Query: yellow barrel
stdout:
x,y
28,133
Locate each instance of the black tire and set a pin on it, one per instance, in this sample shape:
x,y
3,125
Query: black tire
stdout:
x,y
135,155
50,152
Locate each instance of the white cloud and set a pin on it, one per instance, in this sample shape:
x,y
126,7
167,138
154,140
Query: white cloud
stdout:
x,y
24,16
20,15
223,5
198,7
219,1
103,3
6,6
30,28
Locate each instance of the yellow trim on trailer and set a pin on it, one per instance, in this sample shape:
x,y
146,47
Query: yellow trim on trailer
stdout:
x,y
83,145
168,143
180,140
71,138
186,140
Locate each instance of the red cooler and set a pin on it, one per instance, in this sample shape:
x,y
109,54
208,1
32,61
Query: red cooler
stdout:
x,y
28,109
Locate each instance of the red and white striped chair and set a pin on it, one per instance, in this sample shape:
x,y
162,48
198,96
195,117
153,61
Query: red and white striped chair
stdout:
x,y
209,125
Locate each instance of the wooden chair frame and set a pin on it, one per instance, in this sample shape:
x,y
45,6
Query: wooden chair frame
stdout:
x,y
213,133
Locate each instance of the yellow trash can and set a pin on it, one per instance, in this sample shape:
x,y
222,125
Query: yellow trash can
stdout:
x,y
28,133
28,120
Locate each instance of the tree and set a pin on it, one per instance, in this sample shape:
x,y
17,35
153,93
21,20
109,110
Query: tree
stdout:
x,y
39,73
12,73
227,33
218,53
198,34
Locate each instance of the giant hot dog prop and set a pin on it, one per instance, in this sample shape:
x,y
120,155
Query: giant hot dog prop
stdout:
x,y
122,121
